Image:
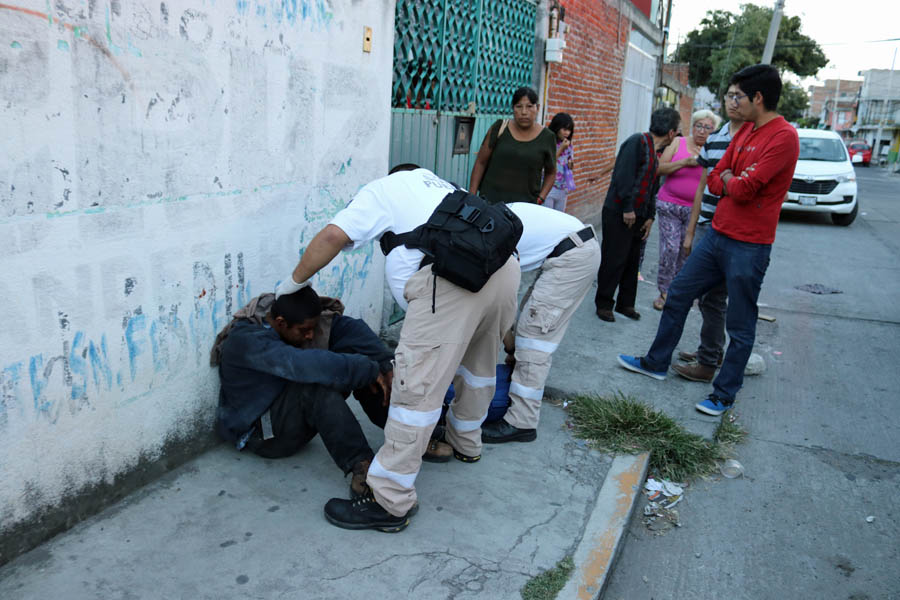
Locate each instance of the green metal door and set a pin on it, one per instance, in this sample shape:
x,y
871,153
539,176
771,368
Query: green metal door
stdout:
x,y
455,58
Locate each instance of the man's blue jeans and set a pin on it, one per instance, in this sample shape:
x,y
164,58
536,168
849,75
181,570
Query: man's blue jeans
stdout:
x,y
717,258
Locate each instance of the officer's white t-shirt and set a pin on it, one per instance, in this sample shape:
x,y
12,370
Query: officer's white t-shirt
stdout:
x,y
543,228
399,203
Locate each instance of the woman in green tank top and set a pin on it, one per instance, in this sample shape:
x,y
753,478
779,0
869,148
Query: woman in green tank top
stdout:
x,y
517,159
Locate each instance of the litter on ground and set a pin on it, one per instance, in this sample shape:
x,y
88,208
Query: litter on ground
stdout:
x,y
662,496
755,365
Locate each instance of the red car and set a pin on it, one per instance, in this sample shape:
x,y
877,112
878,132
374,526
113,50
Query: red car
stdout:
x,y
860,152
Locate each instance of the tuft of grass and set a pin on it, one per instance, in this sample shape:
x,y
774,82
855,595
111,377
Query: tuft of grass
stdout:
x,y
548,584
622,424
729,432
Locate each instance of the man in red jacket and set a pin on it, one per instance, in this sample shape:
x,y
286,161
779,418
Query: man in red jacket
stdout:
x,y
752,179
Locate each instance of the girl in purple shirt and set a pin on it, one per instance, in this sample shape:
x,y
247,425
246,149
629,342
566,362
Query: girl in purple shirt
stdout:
x,y
563,126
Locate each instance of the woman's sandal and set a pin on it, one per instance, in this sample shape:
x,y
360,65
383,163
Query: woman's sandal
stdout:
x,y
659,302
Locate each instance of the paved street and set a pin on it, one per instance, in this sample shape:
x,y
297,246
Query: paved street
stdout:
x,y
823,422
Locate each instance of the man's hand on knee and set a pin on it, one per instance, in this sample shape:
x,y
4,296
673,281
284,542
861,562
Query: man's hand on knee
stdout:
x,y
382,386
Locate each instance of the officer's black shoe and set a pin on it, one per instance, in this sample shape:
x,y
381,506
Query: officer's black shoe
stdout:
x,y
500,432
364,513
465,457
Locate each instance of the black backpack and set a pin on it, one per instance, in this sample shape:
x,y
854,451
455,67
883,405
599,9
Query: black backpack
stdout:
x,y
466,239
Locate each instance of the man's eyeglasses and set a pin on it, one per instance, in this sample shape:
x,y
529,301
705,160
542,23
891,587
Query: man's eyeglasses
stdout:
x,y
736,98
703,127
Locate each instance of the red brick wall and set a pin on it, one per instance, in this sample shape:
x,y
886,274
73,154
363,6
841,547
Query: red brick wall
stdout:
x,y
685,109
588,86
822,94
679,72
819,96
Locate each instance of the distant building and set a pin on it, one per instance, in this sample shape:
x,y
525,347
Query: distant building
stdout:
x,y
675,92
879,112
841,93
704,99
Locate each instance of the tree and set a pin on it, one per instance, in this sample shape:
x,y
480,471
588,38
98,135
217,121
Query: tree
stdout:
x,y
793,102
726,42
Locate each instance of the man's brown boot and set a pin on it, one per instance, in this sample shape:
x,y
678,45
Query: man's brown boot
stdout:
x,y
687,356
695,371
692,356
437,451
358,485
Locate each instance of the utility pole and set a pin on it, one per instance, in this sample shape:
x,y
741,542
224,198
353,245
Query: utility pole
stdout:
x,y
727,69
834,108
665,41
773,32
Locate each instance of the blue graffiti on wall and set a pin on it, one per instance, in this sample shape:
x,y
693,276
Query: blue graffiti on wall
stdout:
x,y
153,349
315,13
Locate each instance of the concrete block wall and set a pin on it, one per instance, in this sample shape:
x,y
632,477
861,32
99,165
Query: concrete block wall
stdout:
x,y
160,164
588,85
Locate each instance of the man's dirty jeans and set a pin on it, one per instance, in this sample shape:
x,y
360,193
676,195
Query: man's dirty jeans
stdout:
x,y
717,258
712,306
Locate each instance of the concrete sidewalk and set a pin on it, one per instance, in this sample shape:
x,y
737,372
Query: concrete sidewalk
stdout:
x,y
586,360
230,525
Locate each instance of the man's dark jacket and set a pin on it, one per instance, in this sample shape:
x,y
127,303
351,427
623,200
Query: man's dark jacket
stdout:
x,y
256,365
634,181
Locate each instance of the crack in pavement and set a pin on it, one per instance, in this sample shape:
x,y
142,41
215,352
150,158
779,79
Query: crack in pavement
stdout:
x,y
832,316
851,465
531,528
433,557
372,566
481,576
874,232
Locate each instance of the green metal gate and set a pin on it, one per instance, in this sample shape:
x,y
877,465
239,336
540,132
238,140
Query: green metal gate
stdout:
x,y
455,58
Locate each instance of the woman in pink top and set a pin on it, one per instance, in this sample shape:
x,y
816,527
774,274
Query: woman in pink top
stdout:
x,y
673,207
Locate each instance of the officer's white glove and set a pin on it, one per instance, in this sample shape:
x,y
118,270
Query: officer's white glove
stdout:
x,y
289,286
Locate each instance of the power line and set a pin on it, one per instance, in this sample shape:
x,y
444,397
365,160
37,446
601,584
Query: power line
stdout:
x,y
863,42
782,44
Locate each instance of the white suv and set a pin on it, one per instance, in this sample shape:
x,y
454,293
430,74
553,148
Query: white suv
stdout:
x,y
824,179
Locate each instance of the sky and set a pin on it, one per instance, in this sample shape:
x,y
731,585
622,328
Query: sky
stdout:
x,y
841,27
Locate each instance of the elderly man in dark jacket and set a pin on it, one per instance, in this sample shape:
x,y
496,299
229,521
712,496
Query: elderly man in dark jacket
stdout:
x,y
628,214
286,367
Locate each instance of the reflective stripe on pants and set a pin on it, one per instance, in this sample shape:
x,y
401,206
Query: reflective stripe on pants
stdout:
x,y
558,291
460,342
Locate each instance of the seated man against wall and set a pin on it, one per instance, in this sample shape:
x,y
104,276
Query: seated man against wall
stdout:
x,y
286,367
568,254
448,332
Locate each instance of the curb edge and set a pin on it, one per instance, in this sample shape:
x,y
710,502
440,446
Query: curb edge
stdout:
x,y
604,533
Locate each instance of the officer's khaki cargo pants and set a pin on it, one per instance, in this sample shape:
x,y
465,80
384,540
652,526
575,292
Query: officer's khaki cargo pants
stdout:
x,y
457,343
558,291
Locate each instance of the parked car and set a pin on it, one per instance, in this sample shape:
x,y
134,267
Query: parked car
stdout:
x,y
824,180
860,153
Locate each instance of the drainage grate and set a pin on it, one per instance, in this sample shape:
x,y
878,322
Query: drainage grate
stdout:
x,y
818,288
